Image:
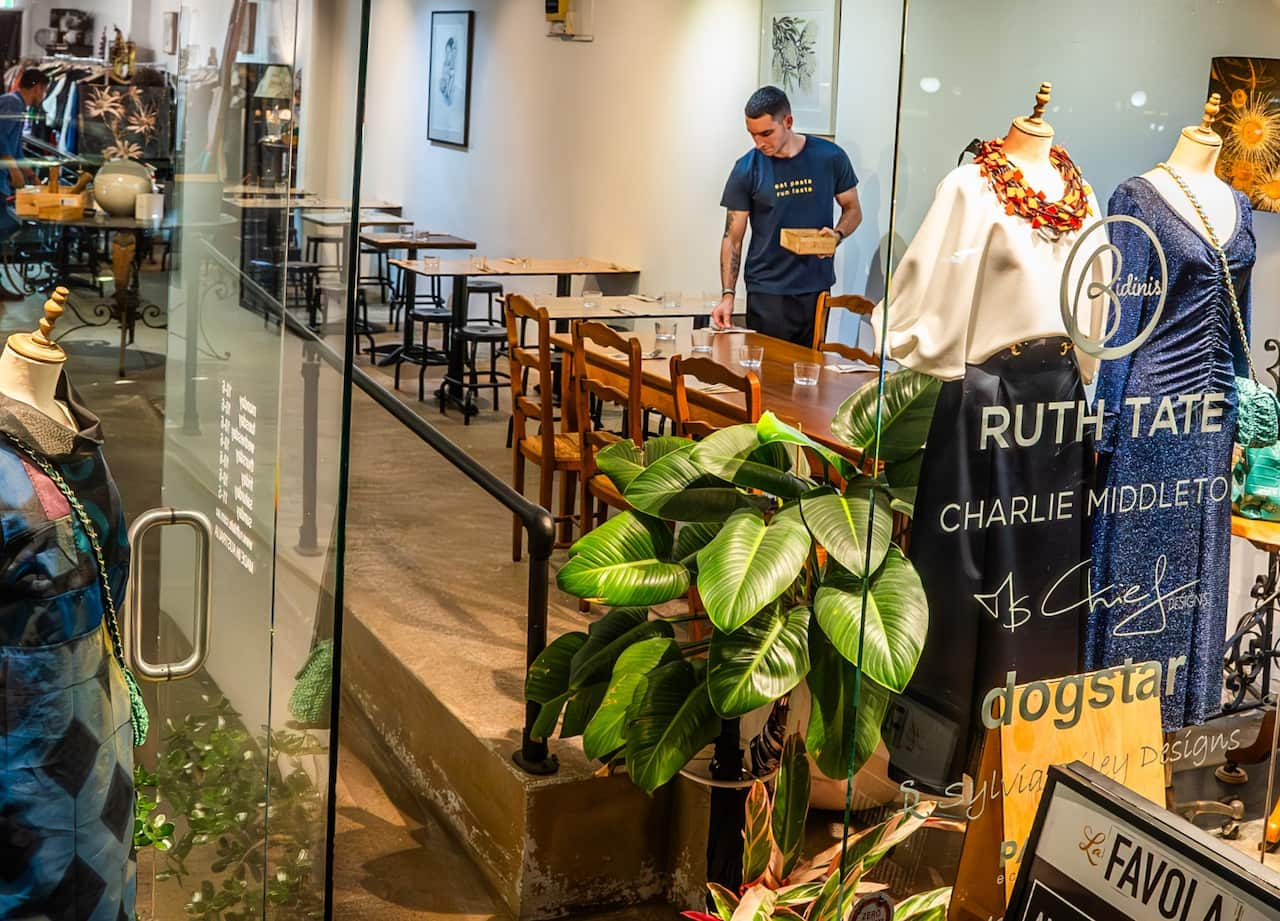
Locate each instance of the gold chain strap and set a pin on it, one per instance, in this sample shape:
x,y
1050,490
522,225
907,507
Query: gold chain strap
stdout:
x,y
113,625
1222,255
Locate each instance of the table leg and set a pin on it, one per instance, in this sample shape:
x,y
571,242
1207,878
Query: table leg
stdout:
x,y
450,391
392,354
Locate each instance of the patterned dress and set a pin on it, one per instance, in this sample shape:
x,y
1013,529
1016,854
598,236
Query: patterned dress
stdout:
x,y
66,743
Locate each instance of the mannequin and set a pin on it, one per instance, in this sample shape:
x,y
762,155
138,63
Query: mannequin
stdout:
x,y
1194,347
1194,158
1028,143
975,303
31,364
66,742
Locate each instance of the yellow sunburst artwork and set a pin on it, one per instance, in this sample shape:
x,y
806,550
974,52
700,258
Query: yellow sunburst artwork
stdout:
x,y
1249,124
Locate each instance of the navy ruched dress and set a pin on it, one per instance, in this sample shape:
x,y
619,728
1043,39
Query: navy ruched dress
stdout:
x,y
1165,522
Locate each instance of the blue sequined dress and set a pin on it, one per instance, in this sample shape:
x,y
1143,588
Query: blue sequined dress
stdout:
x,y
1161,539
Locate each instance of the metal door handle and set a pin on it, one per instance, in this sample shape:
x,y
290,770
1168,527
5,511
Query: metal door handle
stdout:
x,y
170,671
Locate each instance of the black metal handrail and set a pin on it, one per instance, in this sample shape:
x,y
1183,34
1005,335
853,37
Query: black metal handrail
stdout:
x,y
539,525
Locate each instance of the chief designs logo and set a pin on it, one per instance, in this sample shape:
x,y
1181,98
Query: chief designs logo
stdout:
x,y
1102,274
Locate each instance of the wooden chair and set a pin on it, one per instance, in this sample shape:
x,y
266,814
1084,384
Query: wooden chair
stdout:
x,y
589,383
709,372
553,452
854,303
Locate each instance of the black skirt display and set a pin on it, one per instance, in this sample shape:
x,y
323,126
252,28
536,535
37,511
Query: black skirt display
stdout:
x,y
1000,539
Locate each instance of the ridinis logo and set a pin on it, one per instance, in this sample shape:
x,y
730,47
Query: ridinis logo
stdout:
x,y
1102,275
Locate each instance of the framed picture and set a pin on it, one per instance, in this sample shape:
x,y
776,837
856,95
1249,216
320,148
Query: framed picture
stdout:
x,y
1249,123
449,99
799,44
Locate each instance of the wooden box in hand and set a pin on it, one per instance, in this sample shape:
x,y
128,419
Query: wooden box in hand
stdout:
x,y
806,242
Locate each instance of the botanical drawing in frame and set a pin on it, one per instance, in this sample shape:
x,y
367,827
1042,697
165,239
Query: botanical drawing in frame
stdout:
x,y
449,91
799,45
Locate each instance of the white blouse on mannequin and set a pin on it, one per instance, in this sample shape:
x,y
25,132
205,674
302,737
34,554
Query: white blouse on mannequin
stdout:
x,y
975,280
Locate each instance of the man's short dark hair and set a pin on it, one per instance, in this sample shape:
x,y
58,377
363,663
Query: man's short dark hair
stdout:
x,y
33,77
768,100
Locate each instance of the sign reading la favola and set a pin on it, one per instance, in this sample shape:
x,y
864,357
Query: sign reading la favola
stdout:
x,y
1100,854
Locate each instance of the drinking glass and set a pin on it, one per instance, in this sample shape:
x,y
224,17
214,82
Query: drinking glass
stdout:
x,y
665,330
479,262
431,262
406,232
591,297
751,357
671,299
805,373
701,339
710,300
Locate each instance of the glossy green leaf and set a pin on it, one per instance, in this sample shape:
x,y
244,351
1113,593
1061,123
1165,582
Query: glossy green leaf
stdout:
x,y
692,536
842,523
749,565
622,461
605,733
760,661
669,722
725,902
897,619
801,894
606,640
676,489
869,847
924,906
772,430
548,715
909,399
624,562
581,708
548,676
757,842
832,731
735,454
791,803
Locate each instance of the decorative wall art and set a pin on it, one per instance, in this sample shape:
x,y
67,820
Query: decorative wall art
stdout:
x,y
799,40
1249,123
449,105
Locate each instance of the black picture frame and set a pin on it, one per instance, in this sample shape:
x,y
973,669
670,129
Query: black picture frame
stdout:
x,y
448,98
1127,808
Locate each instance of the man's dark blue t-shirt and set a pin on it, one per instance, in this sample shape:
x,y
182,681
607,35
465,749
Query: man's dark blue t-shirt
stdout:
x,y
792,192
13,113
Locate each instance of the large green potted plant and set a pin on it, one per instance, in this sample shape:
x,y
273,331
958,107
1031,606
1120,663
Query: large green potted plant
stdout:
x,y
799,580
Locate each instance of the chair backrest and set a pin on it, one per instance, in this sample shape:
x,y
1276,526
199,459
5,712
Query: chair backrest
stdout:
x,y
519,312
709,372
590,379
854,303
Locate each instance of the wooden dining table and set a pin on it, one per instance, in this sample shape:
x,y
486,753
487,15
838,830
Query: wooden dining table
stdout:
x,y
459,270
808,407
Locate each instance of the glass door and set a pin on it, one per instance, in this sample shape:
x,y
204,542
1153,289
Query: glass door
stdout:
x,y
224,433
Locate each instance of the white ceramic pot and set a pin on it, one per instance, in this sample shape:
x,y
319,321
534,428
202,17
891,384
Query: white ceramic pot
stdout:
x,y
118,184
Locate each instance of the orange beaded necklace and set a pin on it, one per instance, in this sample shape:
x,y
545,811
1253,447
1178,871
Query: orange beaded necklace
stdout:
x,y
1051,218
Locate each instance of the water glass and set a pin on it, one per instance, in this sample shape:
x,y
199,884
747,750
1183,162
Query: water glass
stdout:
x,y
671,299
806,373
751,357
591,297
701,339
479,263
431,263
665,330
406,232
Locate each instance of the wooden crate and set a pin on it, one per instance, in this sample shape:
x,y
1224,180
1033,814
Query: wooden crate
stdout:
x,y
806,242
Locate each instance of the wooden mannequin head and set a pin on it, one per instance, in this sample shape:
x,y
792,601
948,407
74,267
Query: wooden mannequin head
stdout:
x,y
39,345
1030,137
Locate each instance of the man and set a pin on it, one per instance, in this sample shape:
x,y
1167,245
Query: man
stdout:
x,y
13,112
788,180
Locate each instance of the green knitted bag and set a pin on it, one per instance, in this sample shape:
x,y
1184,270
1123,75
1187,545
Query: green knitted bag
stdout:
x,y
310,701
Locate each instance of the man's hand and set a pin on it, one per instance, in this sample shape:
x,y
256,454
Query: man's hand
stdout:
x,y
16,179
828,232
722,315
